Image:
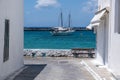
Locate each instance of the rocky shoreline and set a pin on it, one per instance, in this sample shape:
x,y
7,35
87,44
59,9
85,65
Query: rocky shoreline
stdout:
x,y
48,52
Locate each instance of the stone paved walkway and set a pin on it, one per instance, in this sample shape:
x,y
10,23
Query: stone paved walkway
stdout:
x,y
60,69
53,69
100,70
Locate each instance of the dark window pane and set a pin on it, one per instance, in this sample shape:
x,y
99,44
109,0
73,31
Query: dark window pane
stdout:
x,y
6,41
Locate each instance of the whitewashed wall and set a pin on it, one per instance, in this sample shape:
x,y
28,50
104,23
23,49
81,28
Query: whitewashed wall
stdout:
x,y
12,10
102,41
103,34
108,39
103,3
114,54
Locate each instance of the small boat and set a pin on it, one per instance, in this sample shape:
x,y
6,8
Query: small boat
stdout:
x,y
61,30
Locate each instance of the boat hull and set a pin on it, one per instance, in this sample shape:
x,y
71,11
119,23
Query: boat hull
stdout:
x,y
61,33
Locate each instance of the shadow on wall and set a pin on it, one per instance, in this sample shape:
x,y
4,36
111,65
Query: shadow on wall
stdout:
x,y
30,72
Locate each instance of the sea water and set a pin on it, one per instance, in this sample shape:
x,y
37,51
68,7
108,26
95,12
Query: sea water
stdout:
x,y
45,40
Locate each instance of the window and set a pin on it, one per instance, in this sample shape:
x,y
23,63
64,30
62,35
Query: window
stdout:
x,y
6,41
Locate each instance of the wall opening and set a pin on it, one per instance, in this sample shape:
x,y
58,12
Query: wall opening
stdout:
x,y
6,41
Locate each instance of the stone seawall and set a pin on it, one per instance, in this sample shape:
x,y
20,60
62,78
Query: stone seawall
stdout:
x,y
48,52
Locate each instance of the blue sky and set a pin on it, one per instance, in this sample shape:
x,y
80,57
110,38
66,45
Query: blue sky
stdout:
x,y
45,13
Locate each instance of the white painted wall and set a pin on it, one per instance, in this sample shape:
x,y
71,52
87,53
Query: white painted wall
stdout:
x,y
114,54
102,41
102,35
108,39
103,3
12,10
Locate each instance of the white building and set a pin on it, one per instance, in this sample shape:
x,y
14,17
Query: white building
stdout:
x,y
107,26
11,36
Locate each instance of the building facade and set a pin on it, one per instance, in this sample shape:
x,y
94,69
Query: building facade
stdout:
x,y
114,37
102,31
107,26
11,36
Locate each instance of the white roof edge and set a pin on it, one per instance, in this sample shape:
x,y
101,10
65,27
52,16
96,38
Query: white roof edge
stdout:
x,y
89,27
95,22
104,9
97,17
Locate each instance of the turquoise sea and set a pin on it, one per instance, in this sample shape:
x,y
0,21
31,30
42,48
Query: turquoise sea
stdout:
x,y
44,40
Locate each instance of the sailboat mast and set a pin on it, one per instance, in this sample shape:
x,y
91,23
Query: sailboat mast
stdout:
x,y
69,24
61,19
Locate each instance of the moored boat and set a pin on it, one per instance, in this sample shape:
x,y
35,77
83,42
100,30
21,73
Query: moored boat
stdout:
x,y
63,30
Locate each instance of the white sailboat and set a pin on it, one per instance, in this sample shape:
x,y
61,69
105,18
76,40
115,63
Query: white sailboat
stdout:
x,y
70,30
61,30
